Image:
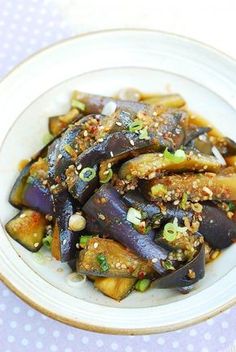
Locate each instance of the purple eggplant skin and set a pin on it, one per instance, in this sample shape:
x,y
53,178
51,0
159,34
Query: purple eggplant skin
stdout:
x,y
150,210
95,103
38,197
120,145
179,278
123,144
218,230
153,212
81,190
63,209
17,191
192,134
110,212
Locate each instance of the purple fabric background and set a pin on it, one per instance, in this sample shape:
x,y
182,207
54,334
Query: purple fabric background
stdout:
x,y
25,27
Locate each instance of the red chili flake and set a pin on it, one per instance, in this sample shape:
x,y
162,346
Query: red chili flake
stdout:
x,y
141,274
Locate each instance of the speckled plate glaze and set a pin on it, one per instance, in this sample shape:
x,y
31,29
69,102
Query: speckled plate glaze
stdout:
x,y
102,63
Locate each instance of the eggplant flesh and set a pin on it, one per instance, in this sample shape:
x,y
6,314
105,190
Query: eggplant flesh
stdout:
x,y
197,187
151,164
121,261
28,228
115,287
110,213
181,277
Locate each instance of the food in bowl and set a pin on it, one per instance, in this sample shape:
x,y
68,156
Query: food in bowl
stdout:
x,y
132,191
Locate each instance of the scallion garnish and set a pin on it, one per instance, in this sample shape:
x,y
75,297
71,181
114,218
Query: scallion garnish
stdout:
x,y
158,190
178,157
170,232
142,285
171,229
47,241
107,177
102,261
143,134
184,200
77,104
134,216
231,206
87,174
84,240
167,264
135,126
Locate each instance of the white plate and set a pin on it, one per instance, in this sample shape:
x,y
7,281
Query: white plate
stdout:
x,y
103,63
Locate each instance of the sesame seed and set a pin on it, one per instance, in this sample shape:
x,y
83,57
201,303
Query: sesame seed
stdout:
x,y
100,140
85,133
36,244
207,190
111,154
77,245
59,156
118,265
123,266
95,245
154,260
101,216
22,216
79,167
45,182
109,165
64,242
131,142
118,123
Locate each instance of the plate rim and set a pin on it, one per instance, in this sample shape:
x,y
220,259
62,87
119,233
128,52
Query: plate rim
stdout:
x,y
75,323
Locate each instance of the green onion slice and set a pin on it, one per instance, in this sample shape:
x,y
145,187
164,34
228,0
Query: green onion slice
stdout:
x,y
170,232
102,261
134,216
158,190
135,126
142,285
167,264
87,174
184,200
77,104
84,240
107,177
178,157
143,134
47,241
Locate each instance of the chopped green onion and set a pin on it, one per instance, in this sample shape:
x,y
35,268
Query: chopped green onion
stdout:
x,y
158,190
184,200
84,240
178,157
47,137
135,126
231,206
143,134
134,216
87,174
142,285
107,177
170,232
102,261
180,229
70,150
167,264
47,241
77,104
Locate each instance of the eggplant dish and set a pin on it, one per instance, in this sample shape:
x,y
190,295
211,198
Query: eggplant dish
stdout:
x,y
135,191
